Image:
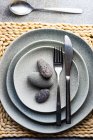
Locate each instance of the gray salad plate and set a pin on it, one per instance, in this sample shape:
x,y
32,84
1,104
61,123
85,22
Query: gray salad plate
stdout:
x,y
26,92
48,118
46,34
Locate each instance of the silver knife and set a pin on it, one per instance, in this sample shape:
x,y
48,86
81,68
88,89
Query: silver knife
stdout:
x,y
68,62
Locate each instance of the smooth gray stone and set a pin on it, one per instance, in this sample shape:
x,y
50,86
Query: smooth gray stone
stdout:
x,y
37,80
44,68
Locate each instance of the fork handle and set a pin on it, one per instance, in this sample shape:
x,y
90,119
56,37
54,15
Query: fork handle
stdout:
x,y
58,108
68,106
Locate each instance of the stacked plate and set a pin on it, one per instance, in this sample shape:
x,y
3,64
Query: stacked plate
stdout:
x,y
18,97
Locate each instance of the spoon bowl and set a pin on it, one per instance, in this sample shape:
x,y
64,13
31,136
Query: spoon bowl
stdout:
x,y
20,8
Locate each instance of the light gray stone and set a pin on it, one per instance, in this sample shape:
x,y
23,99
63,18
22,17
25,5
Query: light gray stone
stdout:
x,y
37,80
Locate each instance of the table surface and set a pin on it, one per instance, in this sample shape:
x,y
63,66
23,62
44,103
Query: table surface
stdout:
x,y
47,17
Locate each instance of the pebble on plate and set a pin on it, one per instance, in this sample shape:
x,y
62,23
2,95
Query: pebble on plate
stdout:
x,y
38,81
42,95
44,68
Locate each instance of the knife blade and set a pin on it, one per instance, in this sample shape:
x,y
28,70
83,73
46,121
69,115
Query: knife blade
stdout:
x,y
68,62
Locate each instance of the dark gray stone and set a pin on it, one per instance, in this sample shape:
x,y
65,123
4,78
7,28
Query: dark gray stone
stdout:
x,y
42,96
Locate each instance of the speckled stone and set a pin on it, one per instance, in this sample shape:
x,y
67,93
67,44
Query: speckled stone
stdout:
x,y
37,80
42,95
44,68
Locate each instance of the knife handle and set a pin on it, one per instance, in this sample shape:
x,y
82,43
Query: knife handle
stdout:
x,y
68,106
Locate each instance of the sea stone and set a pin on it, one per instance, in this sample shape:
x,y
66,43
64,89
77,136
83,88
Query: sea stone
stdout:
x,y
44,68
42,95
37,80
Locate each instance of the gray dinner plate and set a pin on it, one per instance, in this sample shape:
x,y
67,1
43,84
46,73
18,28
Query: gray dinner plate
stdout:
x,y
46,34
27,64
44,118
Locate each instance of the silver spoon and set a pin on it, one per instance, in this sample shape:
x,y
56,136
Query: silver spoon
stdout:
x,y
23,8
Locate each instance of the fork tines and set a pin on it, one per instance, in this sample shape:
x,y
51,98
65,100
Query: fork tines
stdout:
x,y
58,56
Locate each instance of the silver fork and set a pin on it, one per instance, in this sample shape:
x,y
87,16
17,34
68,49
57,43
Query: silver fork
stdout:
x,y
58,63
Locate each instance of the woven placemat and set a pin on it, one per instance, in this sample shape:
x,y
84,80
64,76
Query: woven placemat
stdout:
x,y
10,31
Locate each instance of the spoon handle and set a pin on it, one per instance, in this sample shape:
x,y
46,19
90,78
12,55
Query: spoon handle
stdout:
x,y
62,10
